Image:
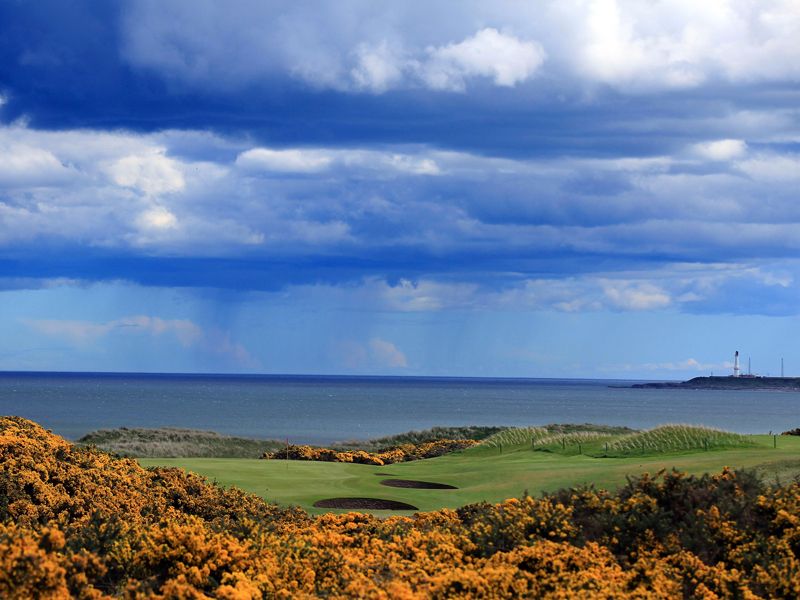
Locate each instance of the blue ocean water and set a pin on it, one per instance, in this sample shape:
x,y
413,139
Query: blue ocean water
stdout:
x,y
322,410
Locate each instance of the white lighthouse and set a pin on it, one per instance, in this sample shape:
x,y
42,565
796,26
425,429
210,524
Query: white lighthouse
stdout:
x,y
736,369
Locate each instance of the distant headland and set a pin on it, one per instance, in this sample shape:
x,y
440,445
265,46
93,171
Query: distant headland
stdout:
x,y
743,382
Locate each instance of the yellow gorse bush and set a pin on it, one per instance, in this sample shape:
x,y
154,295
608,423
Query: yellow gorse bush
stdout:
x,y
79,523
402,453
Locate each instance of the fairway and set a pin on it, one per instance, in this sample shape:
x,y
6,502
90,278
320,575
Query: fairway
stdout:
x,y
480,473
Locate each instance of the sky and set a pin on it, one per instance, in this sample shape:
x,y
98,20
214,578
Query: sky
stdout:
x,y
570,188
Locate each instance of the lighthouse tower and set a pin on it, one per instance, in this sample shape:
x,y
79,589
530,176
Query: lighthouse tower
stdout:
x,y
736,369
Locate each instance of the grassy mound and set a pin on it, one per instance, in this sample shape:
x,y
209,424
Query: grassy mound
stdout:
x,y
171,442
676,438
515,436
75,522
566,442
551,434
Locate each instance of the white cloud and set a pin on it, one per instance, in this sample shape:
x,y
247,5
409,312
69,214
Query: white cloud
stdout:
x,y
157,218
153,173
772,168
720,150
222,344
376,354
81,332
387,354
185,331
290,161
121,190
378,68
25,165
687,365
613,51
501,57
315,160
641,296
356,46
424,295
680,43
677,286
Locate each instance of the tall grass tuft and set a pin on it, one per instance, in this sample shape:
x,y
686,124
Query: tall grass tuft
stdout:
x,y
566,440
516,436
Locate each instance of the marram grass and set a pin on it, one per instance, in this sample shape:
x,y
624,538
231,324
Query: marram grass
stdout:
x,y
516,436
676,438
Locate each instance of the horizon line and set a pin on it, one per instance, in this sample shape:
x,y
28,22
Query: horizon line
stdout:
x,y
320,375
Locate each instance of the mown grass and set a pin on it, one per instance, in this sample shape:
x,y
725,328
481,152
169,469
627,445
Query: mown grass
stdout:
x,y
481,473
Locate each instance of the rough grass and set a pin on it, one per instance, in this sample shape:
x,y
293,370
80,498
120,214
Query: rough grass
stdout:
x,y
779,472
567,441
471,432
516,436
675,438
590,427
170,442
551,434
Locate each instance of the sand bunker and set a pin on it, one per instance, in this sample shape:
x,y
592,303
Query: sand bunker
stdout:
x,y
417,485
368,503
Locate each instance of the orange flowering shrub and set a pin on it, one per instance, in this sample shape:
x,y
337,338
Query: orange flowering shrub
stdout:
x,y
79,523
402,453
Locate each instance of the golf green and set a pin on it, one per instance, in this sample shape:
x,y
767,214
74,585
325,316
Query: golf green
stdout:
x,y
480,473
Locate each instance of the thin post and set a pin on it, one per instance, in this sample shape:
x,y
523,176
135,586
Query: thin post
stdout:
x,y
287,453
774,441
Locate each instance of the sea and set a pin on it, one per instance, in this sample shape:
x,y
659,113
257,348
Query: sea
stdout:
x,y
327,409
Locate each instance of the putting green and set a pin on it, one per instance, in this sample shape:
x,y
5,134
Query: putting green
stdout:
x,y
480,473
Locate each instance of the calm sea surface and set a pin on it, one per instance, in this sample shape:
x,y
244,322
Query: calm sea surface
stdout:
x,y
326,409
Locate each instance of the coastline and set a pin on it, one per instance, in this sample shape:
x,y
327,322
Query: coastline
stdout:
x,y
772,384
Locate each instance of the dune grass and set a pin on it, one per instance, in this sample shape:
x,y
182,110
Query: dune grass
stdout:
x,y
515,436
469,432
547,436
176,443
675,438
